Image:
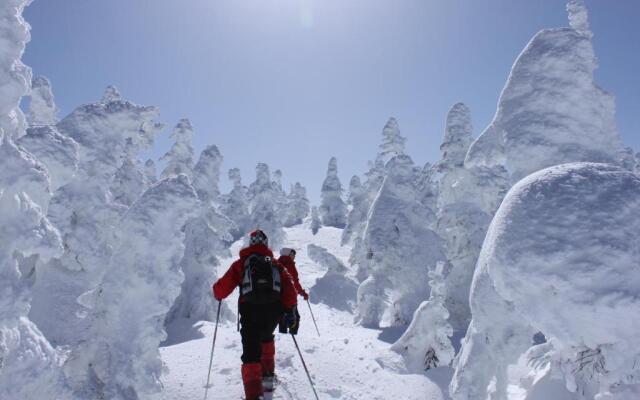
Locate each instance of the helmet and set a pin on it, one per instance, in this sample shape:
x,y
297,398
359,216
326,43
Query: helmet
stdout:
x,y
285,251
258,237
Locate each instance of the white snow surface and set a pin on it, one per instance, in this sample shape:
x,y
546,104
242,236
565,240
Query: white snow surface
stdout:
x,y
347,362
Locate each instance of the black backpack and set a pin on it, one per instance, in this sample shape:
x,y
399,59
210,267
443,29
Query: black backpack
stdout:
x,y
261,283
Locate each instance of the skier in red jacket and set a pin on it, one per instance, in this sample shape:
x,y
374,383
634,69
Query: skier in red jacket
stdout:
x,y
288,260
267,294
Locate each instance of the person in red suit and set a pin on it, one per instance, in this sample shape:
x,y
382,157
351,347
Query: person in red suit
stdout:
x,y
267,295
288,260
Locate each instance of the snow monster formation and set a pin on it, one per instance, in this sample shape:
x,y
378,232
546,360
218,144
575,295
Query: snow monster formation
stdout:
x,y
147,250
461,220
559,265
400,249
551,111
333,210
29,365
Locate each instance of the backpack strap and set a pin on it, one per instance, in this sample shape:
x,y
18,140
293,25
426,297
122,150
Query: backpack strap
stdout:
x,y
246,285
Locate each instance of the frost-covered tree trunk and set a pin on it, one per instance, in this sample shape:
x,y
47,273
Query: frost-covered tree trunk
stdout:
x,y
297,205
179,159
400,248
235,206
333,210
120,359
263,209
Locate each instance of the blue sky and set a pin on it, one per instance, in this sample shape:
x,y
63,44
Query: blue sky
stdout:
x,y
294,82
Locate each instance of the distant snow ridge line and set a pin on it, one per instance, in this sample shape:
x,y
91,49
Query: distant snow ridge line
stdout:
x,y
560,258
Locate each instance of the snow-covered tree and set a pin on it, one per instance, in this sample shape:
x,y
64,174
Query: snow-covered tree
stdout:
x,y
25,232
179,159
206,241
461,221
316,224
148,248
263,210
427,186
85,213
207,238
400,248
426,343
111,94
546,268
333,210
15,77
297,206
551,111
279,195
42,108
235,205
206,174
357,214
392,141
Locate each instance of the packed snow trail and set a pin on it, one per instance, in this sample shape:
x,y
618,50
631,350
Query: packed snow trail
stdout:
x,y
346,362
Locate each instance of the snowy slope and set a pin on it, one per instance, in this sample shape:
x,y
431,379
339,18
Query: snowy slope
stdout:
x,y
347,362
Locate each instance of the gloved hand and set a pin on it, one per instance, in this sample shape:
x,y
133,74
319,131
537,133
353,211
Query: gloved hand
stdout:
x,y
305,295
213,290
291,321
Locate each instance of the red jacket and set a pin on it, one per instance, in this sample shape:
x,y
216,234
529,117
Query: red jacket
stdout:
x,y
290,264
233,277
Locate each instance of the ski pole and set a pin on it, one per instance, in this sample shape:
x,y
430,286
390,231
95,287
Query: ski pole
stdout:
x,y
305,366
313,318
213,345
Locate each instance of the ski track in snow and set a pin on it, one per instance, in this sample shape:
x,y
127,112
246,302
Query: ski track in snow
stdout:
x,y
347,362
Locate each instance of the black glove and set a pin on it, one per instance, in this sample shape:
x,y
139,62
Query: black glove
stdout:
x,y
290,321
